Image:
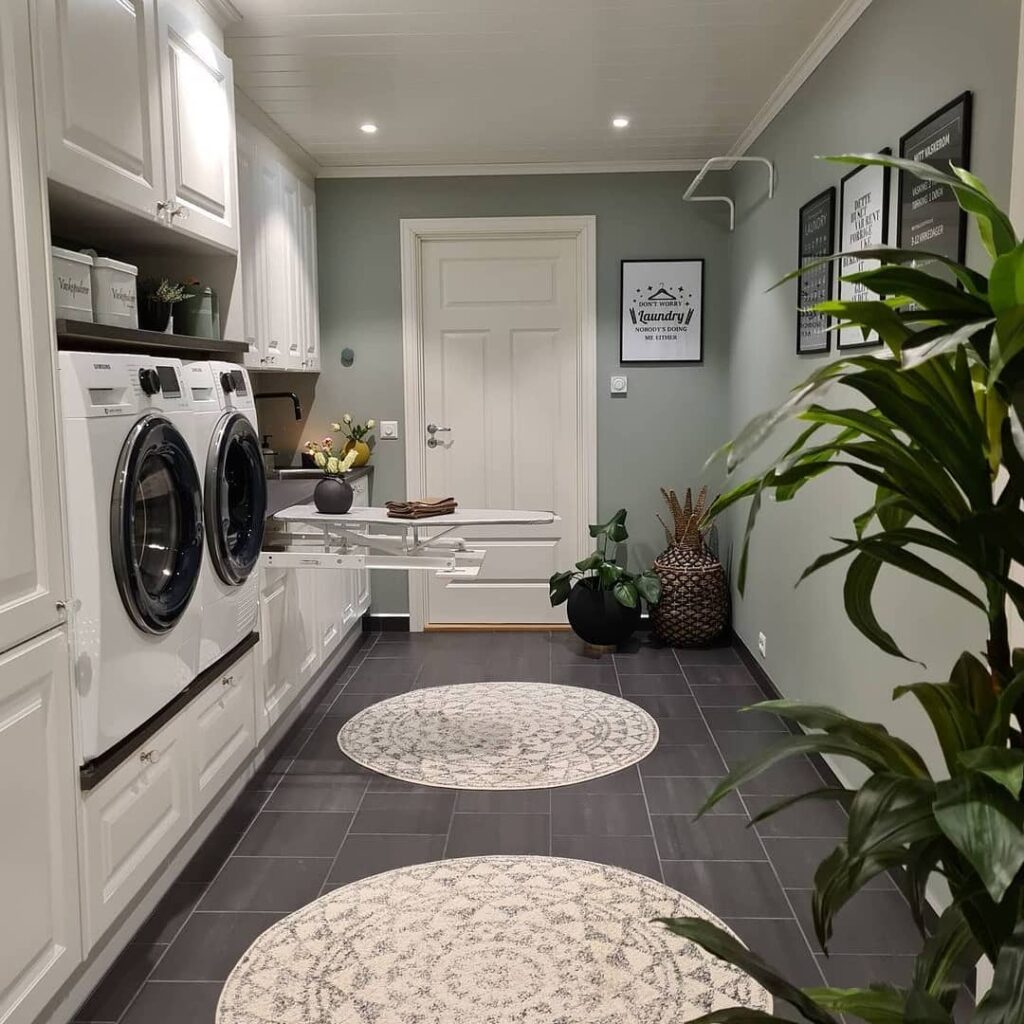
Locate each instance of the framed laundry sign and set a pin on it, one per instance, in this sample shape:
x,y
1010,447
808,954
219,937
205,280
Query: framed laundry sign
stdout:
x,y
929,217
863,224
817,238
662,310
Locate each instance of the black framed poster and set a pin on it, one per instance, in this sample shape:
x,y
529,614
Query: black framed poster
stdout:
x,y
863,224
817,239
662,309
929,216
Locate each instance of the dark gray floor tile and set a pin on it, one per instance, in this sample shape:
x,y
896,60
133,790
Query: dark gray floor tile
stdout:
x,y
737,720
210,945
738,695
782,945
718,675
382,784
716,837
872,922
164,923
331,762
294,834
648,685
796,860
807,818
675,732
625,781
697,760
405,813
634,853
385,672
362,856
730,888
476,835
738,747
266,883
646,660
568,649
318,792
598,814
322,743
166,1002
508,801
666,705
207,861
350,704
268,774
118,986
382,684
242,812
787,778
724,655
297,738
686,795
594,676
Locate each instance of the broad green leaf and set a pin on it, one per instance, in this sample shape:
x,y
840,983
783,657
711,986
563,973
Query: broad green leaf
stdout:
x,y
986,826
877,317
949,955
721,944
649,586
1001,764
1006,281
626,594
826,793
559,587
954,723
592,561
737,1015
917,355
1005,1000
920,286
608,573
923,1008
858,586
880,1004
1008,698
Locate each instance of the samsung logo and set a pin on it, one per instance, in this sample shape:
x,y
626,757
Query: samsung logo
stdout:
x,y
101,366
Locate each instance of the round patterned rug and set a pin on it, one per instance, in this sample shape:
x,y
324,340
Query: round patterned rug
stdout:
x,y
486,940
499,736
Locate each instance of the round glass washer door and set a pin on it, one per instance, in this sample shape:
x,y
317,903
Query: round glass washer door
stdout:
x,y
156,524
236,498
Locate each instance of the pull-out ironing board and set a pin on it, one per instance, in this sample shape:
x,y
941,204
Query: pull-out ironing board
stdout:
x,y
367,538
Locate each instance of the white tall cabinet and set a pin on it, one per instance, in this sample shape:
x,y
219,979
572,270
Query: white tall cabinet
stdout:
x,y
40,941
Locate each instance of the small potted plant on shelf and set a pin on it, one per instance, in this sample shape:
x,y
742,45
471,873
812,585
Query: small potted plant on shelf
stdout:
x,y
603,598
359,437
158,299
333,494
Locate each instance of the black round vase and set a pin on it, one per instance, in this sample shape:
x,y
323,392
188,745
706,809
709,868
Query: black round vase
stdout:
x,y
598,618
333,496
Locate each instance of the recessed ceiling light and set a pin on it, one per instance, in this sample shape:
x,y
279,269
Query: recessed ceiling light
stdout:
x,y
620,122
369,128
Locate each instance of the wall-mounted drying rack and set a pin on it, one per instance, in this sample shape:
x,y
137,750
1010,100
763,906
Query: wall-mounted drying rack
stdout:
x,y
689,197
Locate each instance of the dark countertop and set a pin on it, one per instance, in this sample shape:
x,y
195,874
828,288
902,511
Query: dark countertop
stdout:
x,y
282,494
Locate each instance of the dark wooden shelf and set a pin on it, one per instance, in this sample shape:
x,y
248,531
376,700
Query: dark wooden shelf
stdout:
x,y
83,336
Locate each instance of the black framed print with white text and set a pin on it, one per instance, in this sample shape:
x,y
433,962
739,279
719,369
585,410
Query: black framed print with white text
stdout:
x,y
817,239
928,215
863,224
662,311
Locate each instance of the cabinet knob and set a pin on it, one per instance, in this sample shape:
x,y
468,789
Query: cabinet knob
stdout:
x,y
149,756
228,681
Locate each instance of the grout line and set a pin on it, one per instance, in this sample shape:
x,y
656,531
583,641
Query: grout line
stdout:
x,y
782,888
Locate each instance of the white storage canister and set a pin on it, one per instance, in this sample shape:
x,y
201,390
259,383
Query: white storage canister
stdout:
x,y
113,293
72,284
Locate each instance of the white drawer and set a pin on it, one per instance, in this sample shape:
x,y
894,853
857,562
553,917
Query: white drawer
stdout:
x,y
361,491
222,730
130,822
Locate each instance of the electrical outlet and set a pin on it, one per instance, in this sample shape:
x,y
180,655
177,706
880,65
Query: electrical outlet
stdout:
x,y
389,430
762,644
618,384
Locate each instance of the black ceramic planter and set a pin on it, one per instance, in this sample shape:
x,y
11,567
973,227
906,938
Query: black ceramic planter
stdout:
x,y
333,496
598,618
154,315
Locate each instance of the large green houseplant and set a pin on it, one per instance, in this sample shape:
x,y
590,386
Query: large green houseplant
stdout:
x,y
937,429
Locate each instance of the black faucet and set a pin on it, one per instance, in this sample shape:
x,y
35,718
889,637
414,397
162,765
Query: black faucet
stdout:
x,y
290,395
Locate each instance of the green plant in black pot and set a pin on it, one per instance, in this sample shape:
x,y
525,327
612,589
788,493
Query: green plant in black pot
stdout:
x,y
936,428
604,599
157,300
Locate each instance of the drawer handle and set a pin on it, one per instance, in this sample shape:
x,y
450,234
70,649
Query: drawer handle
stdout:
x,y
228,680
149,756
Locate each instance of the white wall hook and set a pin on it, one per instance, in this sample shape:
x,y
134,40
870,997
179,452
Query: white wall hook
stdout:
x,y
689,197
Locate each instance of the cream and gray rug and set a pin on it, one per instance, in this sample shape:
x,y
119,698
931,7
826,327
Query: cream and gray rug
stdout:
x,y
499,736
486,940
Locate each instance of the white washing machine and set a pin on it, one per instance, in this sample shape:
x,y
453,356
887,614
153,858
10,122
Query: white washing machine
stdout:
x,y
227,450
135,522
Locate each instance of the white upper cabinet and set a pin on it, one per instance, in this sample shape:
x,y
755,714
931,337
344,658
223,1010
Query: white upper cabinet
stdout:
x,y
140,113
308,279
199,131
32,586
102,99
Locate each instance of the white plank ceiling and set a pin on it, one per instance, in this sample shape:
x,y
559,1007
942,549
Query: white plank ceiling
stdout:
x,y
455,82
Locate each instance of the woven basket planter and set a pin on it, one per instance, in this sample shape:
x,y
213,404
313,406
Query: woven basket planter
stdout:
x,y
694,605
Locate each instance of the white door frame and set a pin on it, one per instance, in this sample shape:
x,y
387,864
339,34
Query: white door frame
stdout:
x,y
583,232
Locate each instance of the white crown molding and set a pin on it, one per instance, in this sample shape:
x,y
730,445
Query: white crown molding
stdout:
x,y
472,170
224,12
256,116
834,29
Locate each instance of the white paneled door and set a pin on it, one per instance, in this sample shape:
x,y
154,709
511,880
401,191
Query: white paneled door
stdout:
x,y
504,350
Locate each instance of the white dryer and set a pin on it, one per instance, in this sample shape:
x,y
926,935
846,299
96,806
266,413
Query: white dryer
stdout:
x,y
227,449
135,539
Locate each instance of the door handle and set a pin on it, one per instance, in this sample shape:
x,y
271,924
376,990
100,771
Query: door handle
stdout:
x,y
433,430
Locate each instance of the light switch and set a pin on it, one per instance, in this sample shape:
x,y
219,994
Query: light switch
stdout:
x,y
618,385
389,430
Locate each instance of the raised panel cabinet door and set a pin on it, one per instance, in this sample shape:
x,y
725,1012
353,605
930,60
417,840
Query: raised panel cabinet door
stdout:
x,y
101,87
306,601
308,267
253,285
32,586
330,608
40,940
278,677
199,131
290,279
271,255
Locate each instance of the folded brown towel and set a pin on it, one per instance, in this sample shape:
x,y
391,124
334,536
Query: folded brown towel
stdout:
x,y
421,508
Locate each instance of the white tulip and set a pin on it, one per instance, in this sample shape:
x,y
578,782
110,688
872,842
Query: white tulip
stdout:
x,y
370,424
